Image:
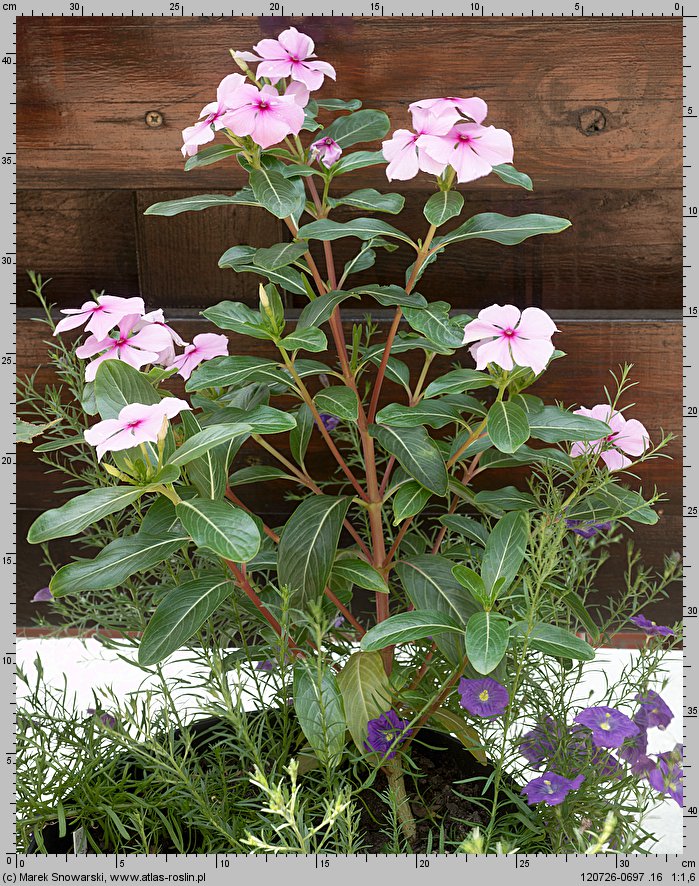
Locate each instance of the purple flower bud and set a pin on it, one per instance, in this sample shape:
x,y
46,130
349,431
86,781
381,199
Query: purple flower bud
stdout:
x,y
267,665
326,150
43,595
330,422
587,530
108,720
339,621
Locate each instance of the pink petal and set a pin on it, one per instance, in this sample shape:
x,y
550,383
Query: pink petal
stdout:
x,y
536,323
428,123
583,411
209,345
603,412
172,406
270,129
246,56
438,107
228,87
468,165
634,439
324,67
94,345
475,108
242,120
534,353
296,43
477,330
300,93
136,357
429,164
400,151
439,147
127,324
302,72
579,448
614,460
504,316
275,69
152,337
77,319
194,136
270,49
91,368
496,351
102,431
185,364
493,145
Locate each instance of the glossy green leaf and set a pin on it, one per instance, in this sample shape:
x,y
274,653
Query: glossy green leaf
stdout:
x,y
392,296
363,228
366,693
257,474
509,498
417,453
338,401
457,381
301,434
229,372
80,512
359,573
434,322
220,527
555,425
409,500
487,637
465,526
473,583
503,229
508,427
180,615
279,256
211,154
262,419
408,626
505,550
373,200
274,192
239,318
360,126
309,338
339,104
432,413
507,173
552,640
442,206
320,309
117,385
206,439
357,160
613,503
320,712
203,201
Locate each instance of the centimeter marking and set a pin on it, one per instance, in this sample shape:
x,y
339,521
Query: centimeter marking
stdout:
x,y
203,868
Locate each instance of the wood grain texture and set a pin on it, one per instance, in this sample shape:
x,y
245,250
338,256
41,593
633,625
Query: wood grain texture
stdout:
x,y
85,86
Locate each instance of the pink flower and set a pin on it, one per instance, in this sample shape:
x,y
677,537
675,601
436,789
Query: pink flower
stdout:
x,y
404,150
299,92
212,114
264,114
470,149
505,337
290,56
101,315
451,107
203,347
629,437
137,423
144,346
327,151
157,318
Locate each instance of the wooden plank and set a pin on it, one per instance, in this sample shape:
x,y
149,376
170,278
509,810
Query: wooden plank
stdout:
x,y
590,102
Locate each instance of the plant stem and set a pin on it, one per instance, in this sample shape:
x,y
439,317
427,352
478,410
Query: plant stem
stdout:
x,y
438,702
231,496
345,611
396,783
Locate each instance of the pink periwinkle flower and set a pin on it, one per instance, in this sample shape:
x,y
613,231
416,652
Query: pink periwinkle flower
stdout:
x,y
137,423
101,316
326,150
291,55
505,336
470,149
212,116
137,348
628,437
203,347
157,318
264,115
453,108
405,149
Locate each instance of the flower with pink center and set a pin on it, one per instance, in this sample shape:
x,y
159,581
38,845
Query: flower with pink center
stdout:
x,y
157,318
326,150
101,315
264,115
137,423
404,150
628,437
211,116
135,348
470,149
291,55
452,107
203,347
506,337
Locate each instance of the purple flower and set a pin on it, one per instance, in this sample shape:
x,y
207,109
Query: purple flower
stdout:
x,y
650,627
667,775
339,621
635,752
550,788
108,720
609,727
652,711
385,733
537,745
326,150
43,595
587,530
330,422
266,665
484,697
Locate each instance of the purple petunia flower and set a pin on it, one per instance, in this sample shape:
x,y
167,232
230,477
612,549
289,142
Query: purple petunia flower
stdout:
x,y
339,621
610,728
43,595
330,422
635,752
587,530
537,745
385,733
650,627
484,697
266,665
652,711
667,775
108,720
550,788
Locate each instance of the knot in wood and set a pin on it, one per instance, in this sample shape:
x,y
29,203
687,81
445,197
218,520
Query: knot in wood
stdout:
x,y
592,121
153,119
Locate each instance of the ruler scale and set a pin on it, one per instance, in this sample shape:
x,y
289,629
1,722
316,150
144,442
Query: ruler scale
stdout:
x,y
608,868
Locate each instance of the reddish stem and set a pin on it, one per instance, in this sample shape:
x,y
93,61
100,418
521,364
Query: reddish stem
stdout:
x,y
231,496
345,611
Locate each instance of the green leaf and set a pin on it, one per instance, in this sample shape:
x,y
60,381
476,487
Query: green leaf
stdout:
x,y
200,443
278,256
366,693
442,206
408,626
396,371
503,229
361,126
301,434
555,425
180,615
373,200
257,474
473,583
117,385
614,503
79,513
487,637
509,498
338,401
308,545
433,413
434,322
552,640
357,160
339,104
417,453
467,735
363,228
505,549
359,573
228,372
364,259
457,381
309,338
239,318
274,192
318,705
220,527
261,419
209,473
26,431
508,427
511,176
120,559
409,500
392,296
160,518
196,204
211,154
465,526
320,309
239,259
